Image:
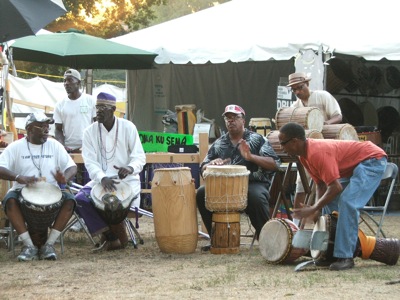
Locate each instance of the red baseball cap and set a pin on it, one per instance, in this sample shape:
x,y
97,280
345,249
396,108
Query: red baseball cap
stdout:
x,y
233,108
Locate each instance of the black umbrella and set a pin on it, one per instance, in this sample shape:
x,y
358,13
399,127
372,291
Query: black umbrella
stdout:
x,y
20,18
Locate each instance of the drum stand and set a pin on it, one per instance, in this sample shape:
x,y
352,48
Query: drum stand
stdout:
x,y
285,182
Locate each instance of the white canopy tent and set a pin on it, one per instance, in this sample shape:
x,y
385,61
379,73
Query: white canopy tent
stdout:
x,y
237,52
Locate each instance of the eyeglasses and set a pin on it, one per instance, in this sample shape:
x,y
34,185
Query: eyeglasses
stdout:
x,y
232,118
43,128
287,141
299,88
103,107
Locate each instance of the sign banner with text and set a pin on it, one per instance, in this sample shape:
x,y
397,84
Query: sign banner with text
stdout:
x,y
159,141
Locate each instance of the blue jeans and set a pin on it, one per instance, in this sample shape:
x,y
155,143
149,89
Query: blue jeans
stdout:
x,y
357,190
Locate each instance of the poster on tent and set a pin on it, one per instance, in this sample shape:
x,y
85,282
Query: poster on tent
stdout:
x,y
285,97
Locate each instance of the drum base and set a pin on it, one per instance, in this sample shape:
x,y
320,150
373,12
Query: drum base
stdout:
x,y
225,237
181,244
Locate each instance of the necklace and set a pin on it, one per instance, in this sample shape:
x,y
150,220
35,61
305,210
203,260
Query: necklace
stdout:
x,y
107,155
37,165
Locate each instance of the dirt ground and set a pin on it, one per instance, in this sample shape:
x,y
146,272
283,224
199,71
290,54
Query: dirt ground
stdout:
x,y
147,272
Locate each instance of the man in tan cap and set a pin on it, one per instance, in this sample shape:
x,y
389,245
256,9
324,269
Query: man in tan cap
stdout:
x,y
299,83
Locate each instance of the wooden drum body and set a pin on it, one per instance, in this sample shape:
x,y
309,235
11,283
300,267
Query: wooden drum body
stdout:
x,y
275,241
340,132
225,236
308,117
260,125
226,188
174,210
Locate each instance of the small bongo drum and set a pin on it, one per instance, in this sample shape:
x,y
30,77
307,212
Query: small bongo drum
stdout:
x,y
40,204
275,242
340,132
226,188
308,117
113,207
175,210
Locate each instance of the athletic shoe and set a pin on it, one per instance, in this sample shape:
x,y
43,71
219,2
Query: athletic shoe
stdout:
x,y
28,253
47,252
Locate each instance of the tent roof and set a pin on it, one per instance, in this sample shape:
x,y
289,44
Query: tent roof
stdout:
x,y
242,30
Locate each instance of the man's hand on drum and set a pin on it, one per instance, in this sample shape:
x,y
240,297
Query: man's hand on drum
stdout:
x,y
306,212
59,176
124,171
109,184
219,162
28,180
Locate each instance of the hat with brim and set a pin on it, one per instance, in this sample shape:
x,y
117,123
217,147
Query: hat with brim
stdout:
x,y
37,117
297,78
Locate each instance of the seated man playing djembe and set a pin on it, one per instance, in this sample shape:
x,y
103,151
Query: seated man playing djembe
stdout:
x,y
242,147
114,157
37,165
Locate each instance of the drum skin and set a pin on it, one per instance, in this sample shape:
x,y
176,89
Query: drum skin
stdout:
x,y
275,242
226,188
174,210
340,132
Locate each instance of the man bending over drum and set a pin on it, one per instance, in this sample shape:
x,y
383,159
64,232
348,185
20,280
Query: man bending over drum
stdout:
x,y
242,147
38,165
346,174
114,157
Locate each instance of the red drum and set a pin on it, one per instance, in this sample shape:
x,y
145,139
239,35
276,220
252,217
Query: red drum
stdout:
x,y
275,242
113,207
308,117
40,204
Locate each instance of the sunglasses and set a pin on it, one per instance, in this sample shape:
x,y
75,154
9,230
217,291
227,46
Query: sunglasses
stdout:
x,y
285,142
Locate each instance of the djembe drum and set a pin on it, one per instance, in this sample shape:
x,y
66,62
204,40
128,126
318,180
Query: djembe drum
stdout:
x,y
275,242
174,210
260,125
384,250
114,206
340,132
226,196
40,204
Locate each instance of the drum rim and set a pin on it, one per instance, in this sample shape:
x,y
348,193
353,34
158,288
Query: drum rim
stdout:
x,y
43,185
99,186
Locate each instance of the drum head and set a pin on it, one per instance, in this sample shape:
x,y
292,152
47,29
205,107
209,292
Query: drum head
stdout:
x,y
321,225
41,193
226,170
275,240
124,193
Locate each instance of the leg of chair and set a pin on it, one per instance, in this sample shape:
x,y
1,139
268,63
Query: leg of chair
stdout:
x,y
364,214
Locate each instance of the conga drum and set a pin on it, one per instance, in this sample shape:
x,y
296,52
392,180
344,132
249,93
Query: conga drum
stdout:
x,y
260,125
275,242
226,195
340,132
308,117
114,206
174,210
274,141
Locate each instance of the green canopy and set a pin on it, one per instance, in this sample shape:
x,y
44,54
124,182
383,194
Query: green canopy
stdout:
x,y
80,51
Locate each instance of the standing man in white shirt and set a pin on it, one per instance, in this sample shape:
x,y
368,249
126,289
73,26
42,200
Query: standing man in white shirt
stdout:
x,y
74,113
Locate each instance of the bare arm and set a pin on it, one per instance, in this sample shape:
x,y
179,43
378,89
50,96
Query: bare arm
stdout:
x,y
334,120
265,162
59,134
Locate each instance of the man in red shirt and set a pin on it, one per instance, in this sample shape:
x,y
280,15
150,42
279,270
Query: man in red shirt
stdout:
x,y
346,174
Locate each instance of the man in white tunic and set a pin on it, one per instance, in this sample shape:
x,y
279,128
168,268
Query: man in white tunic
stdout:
x,y
112,153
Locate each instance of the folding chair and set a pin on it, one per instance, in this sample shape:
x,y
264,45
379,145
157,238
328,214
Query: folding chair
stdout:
x,y
368,211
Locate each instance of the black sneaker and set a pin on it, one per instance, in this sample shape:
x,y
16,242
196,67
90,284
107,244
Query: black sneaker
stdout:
x,y
342,264
28,253
47,252
206,248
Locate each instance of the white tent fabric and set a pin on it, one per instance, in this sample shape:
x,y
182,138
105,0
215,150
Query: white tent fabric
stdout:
x,y
260,30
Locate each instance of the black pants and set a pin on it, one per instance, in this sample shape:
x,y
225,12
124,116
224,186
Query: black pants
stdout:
x,y
257,206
